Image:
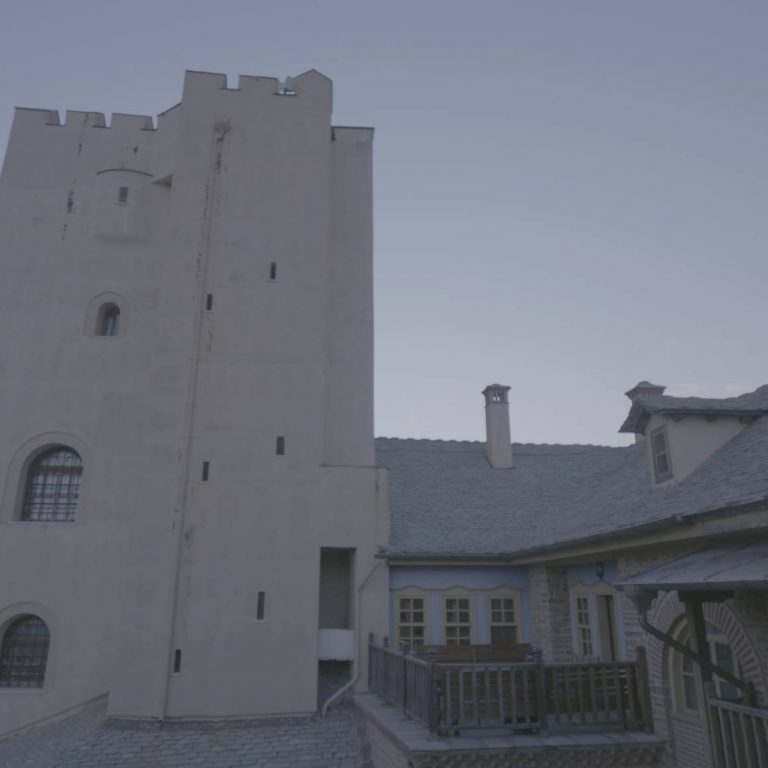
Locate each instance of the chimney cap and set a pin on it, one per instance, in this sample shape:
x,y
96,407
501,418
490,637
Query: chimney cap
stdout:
x,y
496,393
645,388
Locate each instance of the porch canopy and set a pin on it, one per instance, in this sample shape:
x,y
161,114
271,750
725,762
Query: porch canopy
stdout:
x,y
707,576
715,569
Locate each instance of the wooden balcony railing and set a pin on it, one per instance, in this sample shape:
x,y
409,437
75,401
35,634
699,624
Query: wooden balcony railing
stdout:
x,y
739,735
531,696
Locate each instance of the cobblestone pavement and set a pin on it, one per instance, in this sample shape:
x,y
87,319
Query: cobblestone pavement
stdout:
x,y
86,740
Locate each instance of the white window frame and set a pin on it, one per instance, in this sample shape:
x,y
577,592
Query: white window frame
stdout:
x,y
583,597
504,594
659,476
411,594
471,624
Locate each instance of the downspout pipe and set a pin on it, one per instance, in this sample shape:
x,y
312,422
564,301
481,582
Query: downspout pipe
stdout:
x,y
344,688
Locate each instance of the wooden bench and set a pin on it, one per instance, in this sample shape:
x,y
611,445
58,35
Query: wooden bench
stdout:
x,y
477,654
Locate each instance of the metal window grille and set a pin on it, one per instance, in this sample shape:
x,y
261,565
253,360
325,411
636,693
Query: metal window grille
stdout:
x,y
24,653
53,486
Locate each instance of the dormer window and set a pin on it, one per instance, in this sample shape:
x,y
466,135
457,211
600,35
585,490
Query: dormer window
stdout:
x,y
662,466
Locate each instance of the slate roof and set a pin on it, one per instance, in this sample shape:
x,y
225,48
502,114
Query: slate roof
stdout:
x,y
87,739
446,499
749,404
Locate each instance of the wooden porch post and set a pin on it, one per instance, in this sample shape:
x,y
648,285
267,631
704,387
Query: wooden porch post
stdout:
x,y
697,633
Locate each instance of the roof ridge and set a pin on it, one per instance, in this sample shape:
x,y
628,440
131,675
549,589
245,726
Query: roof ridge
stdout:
x,y
439,441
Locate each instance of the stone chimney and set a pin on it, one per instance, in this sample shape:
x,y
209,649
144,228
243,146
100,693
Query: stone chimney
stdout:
x,y
644,388
498,447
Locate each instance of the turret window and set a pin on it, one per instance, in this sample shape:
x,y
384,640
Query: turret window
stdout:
x,y
108,320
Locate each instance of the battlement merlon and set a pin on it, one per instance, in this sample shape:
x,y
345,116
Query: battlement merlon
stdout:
x,y
311,84
75,118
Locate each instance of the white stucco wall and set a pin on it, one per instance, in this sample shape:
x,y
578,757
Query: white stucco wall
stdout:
x,y
230,182
691,440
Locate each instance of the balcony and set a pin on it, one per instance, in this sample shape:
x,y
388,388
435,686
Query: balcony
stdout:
x,y
529,696
509,712
335,645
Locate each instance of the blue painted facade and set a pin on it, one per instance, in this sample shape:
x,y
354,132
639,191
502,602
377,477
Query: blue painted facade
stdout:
x,y
589,575
478,580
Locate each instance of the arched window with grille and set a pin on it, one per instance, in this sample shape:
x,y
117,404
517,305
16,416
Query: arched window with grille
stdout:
x,y
108,320
24,653
52,486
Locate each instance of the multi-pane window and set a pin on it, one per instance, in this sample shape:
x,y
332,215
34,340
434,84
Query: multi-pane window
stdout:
x,y
722,655
583,628
52,486
662,467
688,683
411,625
24,653
503,624
458,621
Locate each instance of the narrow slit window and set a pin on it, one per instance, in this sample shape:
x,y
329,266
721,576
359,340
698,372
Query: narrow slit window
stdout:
x,y
108,320
177,661
209,303
280,447
273,271
122,195
260,607
206,470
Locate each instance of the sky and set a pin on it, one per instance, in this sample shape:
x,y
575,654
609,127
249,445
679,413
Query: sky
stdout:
x,y
569,196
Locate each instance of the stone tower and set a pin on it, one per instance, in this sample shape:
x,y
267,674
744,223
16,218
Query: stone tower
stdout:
x,y
187,314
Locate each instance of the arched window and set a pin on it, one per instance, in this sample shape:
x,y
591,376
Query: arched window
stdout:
x,y
52,486
684,672
108,320
24,653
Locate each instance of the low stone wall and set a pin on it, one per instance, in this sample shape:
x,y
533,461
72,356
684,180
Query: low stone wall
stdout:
x,y
393,741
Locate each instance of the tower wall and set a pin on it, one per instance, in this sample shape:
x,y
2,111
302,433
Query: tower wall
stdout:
x,y
241,262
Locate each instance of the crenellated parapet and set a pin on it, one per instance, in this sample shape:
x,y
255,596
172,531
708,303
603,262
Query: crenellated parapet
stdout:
x,y
74,118
47,144
310,85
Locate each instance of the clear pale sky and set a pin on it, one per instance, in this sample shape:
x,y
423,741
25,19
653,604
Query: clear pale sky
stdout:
x,y
570,195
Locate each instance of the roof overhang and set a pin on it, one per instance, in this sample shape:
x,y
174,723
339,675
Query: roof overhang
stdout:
x,y
715,569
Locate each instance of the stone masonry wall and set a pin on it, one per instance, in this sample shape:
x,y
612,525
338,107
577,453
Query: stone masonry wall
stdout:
x,y
383,750
386,751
